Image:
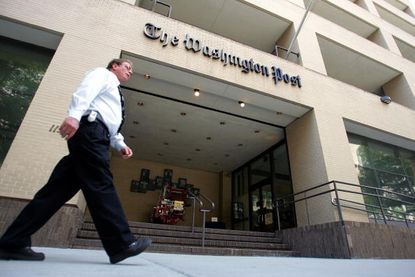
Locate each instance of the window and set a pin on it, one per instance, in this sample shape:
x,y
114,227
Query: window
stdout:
x,y
388,167
22,67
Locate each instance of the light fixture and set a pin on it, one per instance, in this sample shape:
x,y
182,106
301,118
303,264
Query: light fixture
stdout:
x,y
385,99
196,92
146,76
241,103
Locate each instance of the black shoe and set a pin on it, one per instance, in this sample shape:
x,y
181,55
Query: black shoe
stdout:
x,y
133,249
23,254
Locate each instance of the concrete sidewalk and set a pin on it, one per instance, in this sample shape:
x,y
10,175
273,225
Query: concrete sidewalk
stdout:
x,y
77,263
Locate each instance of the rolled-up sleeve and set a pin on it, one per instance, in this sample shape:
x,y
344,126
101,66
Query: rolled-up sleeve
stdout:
x,y
117,142
89,88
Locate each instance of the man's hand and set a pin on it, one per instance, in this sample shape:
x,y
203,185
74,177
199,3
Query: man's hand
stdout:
x,y
69,127
126,152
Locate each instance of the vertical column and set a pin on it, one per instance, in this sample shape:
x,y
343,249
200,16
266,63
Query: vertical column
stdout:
x,y
319,152
390,42
309,48
368,5
401,91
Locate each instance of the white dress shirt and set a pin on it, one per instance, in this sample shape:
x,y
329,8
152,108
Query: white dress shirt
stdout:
x,y
98,91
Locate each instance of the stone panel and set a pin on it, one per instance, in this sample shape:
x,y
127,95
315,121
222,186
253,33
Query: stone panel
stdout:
x,y
364,240
59,231
381,241
319,241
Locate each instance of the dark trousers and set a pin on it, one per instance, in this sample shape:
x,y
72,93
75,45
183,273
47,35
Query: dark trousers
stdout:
x,y
86,168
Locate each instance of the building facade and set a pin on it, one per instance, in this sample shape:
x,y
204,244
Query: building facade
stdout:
x,y
304,114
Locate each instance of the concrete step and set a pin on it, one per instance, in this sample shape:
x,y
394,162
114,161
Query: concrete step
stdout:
x,y
197,241
144,225
182,239
186,249
197,234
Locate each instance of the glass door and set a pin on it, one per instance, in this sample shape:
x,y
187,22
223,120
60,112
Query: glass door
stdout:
x,y
255,188
262,215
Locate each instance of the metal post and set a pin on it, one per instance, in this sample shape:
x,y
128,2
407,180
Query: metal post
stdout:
x,y
298,30
163,4
278,216
193,214
306,208
339,209
381,207
203,228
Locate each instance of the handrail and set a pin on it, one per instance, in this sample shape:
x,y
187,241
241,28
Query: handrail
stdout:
x,y
284,49
212,204
369,187
377,195
337,201
202,210
194,197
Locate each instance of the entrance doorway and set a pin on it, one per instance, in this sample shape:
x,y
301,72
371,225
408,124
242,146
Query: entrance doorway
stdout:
x,y
262,218
201,137
256,187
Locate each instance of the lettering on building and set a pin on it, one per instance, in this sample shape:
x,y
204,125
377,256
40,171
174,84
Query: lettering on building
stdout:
x,y
245,65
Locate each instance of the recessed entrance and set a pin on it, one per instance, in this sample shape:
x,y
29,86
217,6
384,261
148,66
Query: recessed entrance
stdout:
x,y
201,138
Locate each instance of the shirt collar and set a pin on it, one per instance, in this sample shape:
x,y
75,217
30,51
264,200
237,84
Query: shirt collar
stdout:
x,y
117,82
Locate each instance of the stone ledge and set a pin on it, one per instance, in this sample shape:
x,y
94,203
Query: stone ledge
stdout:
x,y
59,231
364,240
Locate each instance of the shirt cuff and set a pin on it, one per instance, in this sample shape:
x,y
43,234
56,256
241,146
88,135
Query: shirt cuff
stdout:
x,y
76,114
117,142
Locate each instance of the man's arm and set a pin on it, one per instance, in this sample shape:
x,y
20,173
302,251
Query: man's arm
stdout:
x,y
80,101
89,88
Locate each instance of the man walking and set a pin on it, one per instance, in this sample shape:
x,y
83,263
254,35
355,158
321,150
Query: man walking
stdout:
x,y
95,117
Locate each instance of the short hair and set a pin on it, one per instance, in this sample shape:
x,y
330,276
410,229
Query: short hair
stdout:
x,y
119,62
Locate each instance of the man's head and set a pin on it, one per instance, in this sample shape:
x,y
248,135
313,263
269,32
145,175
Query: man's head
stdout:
x,y
122,68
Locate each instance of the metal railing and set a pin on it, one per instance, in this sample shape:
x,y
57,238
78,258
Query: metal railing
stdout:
x,y
376,211
277,47
202,209
153,8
